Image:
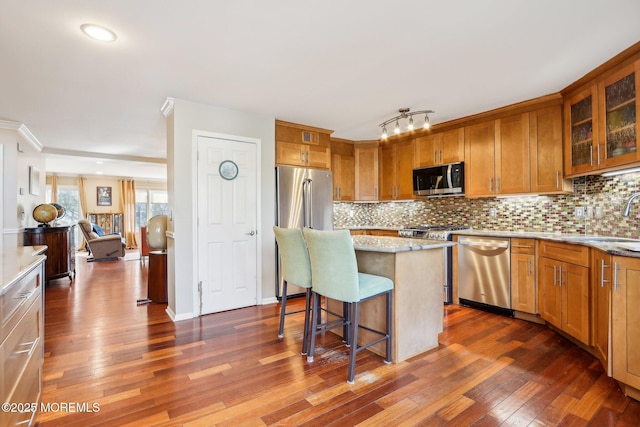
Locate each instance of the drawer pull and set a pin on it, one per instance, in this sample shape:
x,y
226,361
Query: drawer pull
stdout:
x,y
33,345
522,246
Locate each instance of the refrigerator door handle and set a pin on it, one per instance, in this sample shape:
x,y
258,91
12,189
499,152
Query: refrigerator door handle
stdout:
x,y
306,203
310,202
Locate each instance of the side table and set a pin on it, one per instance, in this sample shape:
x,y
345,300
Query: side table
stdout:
x,y
157,283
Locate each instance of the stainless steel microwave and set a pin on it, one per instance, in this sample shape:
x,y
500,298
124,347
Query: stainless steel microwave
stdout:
x,y
442,180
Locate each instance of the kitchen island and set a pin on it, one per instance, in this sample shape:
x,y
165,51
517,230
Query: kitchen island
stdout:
x,y
417,268
21,330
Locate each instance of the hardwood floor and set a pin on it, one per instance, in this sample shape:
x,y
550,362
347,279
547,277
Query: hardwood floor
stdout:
x,y
230,369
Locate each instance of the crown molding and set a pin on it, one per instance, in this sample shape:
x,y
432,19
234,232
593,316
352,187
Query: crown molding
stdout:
x,y
31,139
167,107
10,125
23,131
95,155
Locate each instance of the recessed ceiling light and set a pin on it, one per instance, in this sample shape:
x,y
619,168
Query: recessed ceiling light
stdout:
x,y
99,33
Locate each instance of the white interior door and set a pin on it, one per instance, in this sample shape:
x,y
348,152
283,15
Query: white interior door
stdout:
x,y
227,218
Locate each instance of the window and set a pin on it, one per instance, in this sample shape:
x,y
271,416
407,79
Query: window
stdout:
x,y
150,203
69,199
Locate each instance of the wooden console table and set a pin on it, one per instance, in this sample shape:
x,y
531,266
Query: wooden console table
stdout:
x,y
61,252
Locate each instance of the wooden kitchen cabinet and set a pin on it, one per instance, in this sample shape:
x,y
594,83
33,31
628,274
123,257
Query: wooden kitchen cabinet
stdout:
x,y
396,170
512,163
343,168
523,275
479,156
625,318
300,145
497,157
366,171
600,121
601,267
564,295
440,148
545,139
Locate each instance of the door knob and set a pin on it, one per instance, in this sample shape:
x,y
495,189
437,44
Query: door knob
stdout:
x,y
251,233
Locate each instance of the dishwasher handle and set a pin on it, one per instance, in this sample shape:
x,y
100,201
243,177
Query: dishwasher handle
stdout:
x,y
487,246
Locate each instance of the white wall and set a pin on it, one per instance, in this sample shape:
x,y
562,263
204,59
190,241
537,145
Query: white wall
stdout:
x,y
17,202
186,118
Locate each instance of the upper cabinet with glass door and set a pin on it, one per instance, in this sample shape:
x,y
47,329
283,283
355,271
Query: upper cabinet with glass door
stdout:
x,y
618,107
581,131
600,125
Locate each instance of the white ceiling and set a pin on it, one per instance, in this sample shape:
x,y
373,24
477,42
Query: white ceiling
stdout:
x,y
336,64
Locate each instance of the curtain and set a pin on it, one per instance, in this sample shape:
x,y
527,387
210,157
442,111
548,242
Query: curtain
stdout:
x,y
54,188
82,197
128,208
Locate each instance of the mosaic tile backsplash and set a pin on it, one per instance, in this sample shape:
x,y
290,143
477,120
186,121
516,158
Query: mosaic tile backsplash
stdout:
x,y
603,200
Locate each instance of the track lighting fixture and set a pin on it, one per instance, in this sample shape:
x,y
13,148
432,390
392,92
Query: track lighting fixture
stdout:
x,y
404,114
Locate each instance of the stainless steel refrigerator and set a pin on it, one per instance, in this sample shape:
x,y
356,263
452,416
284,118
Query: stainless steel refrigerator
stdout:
x,y
304,198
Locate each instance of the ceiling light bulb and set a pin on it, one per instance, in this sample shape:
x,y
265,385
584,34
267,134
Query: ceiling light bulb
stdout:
x,y
427,125
98,33
384,132
397,128
410,127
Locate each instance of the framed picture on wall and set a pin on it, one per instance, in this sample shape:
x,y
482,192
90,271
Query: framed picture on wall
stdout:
x,y
34,181
104,196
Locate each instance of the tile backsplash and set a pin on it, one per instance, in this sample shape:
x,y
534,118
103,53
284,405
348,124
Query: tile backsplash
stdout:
x,y
602,198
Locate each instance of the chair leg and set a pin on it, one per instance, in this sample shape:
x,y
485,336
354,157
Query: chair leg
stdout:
x,y
283,309
314,327
351,372
307,321
389,325
346,314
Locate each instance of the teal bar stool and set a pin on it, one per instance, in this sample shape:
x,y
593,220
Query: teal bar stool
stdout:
x,y
334,274
295,269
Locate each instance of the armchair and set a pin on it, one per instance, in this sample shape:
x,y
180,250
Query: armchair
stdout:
x,y
109,246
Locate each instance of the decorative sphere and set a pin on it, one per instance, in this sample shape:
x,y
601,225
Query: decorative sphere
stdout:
x,y
61,210
156,228
45,213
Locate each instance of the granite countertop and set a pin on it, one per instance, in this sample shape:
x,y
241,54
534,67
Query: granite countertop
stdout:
x,y
372,227
396,244
17,261
607,244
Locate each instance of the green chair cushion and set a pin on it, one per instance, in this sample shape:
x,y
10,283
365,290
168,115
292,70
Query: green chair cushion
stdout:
x,y
371,285
294,258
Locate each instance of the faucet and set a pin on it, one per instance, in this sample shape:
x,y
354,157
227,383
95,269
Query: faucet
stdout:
x,y
627,209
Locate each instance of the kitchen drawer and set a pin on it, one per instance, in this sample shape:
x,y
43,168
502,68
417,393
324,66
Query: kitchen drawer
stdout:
x,y
27,391
523,246
17,299
21,345
566,252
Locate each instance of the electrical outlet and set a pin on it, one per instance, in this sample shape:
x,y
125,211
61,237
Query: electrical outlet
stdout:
x,y
493,212
589,211
598,211
579,212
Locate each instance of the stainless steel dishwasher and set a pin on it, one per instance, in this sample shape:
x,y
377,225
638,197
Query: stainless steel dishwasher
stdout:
x,y
484,273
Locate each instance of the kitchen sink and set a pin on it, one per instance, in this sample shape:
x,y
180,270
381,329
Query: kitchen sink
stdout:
x,y
629,246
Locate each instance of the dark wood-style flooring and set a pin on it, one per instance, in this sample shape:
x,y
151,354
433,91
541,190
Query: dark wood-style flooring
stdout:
x,y
230,369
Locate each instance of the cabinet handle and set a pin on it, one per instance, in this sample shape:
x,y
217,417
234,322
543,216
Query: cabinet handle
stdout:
x,y
591,154
602,267
522,246
616,268
440,156
497,184
555,279
32,345
560,277
557,179
435,156
491,185
598,155
529,266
